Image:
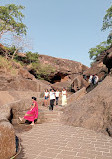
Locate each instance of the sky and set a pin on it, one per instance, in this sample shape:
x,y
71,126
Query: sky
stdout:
x,y
64,28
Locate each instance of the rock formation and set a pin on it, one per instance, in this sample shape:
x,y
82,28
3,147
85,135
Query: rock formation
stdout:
x,y
102,65
65,71
78,83
108,60
7,134
94,110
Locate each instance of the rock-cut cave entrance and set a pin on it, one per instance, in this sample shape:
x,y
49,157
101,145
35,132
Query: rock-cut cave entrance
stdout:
x,y
59,77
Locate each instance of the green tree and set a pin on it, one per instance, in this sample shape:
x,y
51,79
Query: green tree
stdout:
x,y
96,51
107,23
107,20
11,19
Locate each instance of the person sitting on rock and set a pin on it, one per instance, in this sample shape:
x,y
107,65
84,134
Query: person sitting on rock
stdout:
x,y
32,114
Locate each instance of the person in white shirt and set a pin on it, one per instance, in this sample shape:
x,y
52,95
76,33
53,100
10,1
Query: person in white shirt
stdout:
x,y
96,79
90,79
64,97
57,94
46,97
52,99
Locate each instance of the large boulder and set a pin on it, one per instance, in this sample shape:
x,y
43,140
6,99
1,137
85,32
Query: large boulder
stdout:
x,y
108,61
76,96
102,66
78,83
61,85
94,110
5,97
7,134
7,140
10,83
25,74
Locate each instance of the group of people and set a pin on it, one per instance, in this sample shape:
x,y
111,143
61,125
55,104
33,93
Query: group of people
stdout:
x,y
93,79
50,97
53,96
32,114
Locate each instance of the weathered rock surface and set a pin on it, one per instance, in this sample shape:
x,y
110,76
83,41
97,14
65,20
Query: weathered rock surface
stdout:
x,y
11,112
61,85
108,60
7,140
76,96
102,65
78,83
64,70
99,69
25,74
21,84
94,110
7,134
55,70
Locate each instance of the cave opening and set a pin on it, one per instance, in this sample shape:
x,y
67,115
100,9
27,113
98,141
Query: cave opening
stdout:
x,y
59,77
33,72
56,78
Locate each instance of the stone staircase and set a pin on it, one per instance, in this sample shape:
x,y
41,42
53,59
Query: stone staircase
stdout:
x,y
51,116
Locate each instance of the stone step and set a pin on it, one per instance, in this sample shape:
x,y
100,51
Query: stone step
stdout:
x,y
52,120
51,116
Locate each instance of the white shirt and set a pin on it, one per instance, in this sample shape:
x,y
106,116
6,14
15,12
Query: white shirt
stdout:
x,y
46,94
96,79
90,79
52,95
63,93
57,93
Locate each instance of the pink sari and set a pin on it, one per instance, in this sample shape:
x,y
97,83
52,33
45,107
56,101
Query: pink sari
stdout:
x,y
33,114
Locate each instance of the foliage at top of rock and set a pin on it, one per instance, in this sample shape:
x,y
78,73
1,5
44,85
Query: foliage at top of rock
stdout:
x,y
103,46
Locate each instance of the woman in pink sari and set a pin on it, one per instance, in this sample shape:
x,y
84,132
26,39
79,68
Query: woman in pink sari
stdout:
x,y
32,114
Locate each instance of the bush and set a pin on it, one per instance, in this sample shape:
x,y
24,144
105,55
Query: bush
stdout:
x,y
31,57
42,71
7,66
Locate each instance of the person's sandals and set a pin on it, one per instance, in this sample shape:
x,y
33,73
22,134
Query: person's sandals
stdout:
x,y
20,118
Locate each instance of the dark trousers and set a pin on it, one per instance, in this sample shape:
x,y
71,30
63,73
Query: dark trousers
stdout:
x,y
52,103
57,100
